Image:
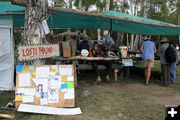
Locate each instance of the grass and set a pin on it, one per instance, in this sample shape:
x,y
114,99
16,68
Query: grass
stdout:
x,y
157,67
128,99
110,104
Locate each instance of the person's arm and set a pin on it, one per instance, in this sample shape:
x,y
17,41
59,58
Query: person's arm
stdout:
x,y
154,49
142,48
159,50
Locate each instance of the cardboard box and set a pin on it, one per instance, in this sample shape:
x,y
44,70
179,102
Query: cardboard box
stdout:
x,y
66,52
66,44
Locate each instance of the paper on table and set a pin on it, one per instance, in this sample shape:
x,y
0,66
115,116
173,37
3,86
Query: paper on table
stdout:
x,y
28,99
127,62
69,94
53,96
42,72
66,70
24,79
45,26
29,91
48,110
41,83
70,78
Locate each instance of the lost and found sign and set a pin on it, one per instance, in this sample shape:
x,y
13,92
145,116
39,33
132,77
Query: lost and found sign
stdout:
x,y
31,52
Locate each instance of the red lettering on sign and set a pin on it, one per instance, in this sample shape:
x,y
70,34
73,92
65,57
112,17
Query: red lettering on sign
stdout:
x,y
32,52
24,53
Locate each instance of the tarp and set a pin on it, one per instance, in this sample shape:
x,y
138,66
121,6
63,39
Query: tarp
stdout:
x,y
65,18
8,7
6,55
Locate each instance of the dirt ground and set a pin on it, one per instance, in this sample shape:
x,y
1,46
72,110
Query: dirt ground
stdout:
x,y
127,99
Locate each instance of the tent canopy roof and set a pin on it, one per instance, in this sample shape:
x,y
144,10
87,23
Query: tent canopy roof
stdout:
x,y
127,16
116,21
8,7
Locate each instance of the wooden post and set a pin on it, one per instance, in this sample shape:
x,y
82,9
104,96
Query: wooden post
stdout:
x,y
19,2
115,75
75,73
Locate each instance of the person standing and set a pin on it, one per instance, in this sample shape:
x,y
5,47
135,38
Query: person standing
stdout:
x,y
148,50
173,73
173,66
178,54
165,66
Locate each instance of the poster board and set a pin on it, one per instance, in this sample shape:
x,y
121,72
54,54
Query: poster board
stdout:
x,y
127,62
47,85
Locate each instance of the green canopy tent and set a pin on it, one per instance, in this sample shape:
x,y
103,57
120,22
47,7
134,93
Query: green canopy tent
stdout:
x,y
140,25
75,19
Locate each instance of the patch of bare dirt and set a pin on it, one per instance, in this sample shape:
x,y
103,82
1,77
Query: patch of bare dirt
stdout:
x,y
155,93
78,117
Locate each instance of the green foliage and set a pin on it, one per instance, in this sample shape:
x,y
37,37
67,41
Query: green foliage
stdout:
x,y
59,3
88,3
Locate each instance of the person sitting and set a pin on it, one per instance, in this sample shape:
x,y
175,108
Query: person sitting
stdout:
x,y
98,51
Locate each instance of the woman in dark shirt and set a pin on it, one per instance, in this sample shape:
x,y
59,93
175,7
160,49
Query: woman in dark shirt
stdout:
x,y
98,51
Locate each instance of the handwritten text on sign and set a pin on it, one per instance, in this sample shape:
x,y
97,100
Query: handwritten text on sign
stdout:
x,y
31,52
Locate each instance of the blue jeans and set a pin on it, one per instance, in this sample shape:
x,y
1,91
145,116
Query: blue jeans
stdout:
x,y
173,72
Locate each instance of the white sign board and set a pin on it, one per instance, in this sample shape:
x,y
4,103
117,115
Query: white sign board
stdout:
x,y
31,52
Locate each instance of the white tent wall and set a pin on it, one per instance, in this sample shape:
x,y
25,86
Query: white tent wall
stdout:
x,y
6,55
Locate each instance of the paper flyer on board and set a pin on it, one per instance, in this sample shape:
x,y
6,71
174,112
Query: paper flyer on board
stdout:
x,y
53,96
66,70
24,79
42,72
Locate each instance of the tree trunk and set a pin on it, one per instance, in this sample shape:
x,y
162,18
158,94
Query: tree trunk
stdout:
x,y
33,29
136,43
80,4
127,42
107,5
158,37
132,42
71,4
98,30
105,32
119,41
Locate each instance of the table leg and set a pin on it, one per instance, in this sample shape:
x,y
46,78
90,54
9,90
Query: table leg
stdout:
x,y
75,73
115,75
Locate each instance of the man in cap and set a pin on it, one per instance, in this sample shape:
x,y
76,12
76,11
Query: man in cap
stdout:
x,y
165,67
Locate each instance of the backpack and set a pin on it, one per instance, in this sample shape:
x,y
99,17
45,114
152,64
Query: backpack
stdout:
x,y
170,54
